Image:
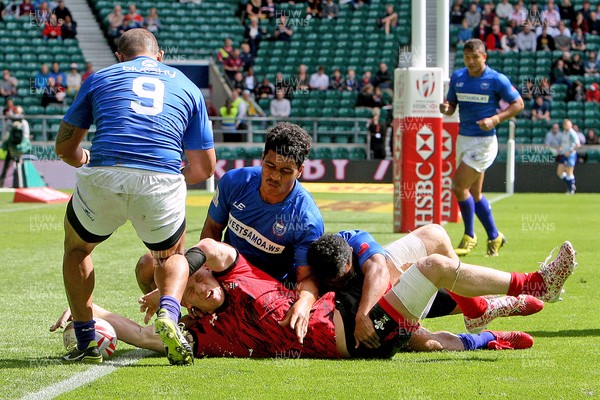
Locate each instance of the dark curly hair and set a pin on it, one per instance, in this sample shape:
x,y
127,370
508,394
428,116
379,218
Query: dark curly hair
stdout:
x,y
328,257
288,140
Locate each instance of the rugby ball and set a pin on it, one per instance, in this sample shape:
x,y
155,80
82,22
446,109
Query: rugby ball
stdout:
x,y
105,336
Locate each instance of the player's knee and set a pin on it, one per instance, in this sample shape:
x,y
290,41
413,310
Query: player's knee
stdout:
x,y
435,267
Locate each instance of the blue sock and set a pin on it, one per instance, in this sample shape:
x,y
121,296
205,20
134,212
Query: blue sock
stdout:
x,y
571,179
566,180
172,306
484,213
467,209
85,332
476,341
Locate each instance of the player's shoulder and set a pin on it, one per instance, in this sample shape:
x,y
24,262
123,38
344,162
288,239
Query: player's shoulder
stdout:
x,y
459,74
239,176
492,73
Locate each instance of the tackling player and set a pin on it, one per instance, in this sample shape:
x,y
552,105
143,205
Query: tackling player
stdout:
x,y
478,90
145,113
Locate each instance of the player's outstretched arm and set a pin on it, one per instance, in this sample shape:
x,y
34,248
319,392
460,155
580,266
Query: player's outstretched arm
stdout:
x,y
201,165
67,146
299,314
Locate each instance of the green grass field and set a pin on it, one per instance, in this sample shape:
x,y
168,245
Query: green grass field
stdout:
x,y
563,364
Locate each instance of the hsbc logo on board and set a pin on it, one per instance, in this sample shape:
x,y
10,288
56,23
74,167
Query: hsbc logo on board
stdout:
x,y
446,144
426,84
425,142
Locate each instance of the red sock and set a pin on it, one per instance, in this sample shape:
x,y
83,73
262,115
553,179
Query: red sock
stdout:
x,y
472,307
529,283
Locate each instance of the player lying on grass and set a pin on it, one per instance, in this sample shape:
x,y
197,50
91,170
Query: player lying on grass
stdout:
x,y
374,268
237,307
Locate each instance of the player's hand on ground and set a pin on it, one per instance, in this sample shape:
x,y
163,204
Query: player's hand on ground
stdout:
x,y
61,322
297,318
364,333
149,304
486,124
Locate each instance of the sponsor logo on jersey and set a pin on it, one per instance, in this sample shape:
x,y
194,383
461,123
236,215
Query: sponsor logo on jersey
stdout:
x,y
485,85
473,97
279,228
149,70
459,84
253,237
239,205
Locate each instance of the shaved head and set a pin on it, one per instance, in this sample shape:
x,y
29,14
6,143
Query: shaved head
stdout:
x,y
138,42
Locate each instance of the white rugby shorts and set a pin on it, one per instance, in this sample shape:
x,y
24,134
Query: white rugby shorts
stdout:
x,y
478,152
106,197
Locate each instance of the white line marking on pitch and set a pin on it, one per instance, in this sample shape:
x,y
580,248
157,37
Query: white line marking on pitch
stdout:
x,y
496,199
88,376
26,208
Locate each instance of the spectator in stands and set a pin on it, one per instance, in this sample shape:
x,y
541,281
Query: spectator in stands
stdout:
x,y
378,100
544,88
237,83
566,58
302,79
594,24
377,131
73,80
9,108
246,56
228,124
42,13
281,83
504,9
133,19
283,32
540,110
519,15
593,94
545,42
578,40
528,93
493,41
580,22
488,14
8,84
586,11
337,81
457,15
591,65
253,9
591,138
576,92
55,72
26,8
551,18
224,52
364,81
552,138
508,42
481,31
473,16
41,78
350,83
265,90
89,69
250,81
383,78
365,97
576,67
11,9
389,19
254,34
61,11
152,21
69,28
233,64
557,75
50,93
534,18
268,9
319,80
562,41
52,30
330,10
280,106
313,9
115,22
211,110
566,10
465,33
580,134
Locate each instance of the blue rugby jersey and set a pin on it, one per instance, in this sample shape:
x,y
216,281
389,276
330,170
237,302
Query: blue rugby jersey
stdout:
x,y
143,110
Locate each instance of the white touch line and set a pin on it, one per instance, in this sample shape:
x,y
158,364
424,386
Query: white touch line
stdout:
x,y
32,207
497,199
88,376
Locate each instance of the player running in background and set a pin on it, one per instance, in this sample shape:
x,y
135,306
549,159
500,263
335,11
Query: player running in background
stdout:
x,y
145,113
569,142
478,89
270,218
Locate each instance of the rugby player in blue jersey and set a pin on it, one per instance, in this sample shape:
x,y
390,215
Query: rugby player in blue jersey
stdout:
x,y
145,114
478,90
